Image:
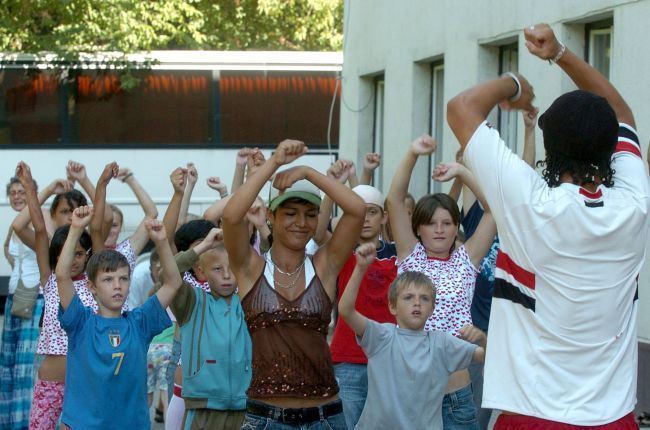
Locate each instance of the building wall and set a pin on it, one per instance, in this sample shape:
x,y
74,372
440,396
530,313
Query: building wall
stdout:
x,y
400,41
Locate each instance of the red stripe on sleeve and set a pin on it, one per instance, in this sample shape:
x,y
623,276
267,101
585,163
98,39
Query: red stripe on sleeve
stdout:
x,y
521,275
598,194
628,147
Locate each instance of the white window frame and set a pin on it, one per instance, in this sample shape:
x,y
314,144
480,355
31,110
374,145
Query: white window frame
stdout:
x,y
508,120
378,127
437,119
592,34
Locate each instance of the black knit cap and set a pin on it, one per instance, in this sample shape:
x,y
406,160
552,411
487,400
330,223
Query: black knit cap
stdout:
x,y
580,126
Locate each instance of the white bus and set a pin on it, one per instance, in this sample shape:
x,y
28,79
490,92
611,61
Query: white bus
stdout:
x,y
190,106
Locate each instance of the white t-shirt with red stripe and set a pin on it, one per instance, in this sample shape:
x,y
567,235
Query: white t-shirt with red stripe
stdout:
x,y
562,343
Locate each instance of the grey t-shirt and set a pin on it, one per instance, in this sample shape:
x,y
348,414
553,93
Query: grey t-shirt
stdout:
x,y
408,372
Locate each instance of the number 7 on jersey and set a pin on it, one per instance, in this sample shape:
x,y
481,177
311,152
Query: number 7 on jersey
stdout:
x,y
119,355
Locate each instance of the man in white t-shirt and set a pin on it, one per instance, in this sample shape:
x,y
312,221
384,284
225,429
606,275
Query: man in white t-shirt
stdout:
x,y
562,347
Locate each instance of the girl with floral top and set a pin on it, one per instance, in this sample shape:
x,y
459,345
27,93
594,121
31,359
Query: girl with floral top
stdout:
x,y
425,243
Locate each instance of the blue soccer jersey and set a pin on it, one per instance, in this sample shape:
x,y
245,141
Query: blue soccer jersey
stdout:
x,y
106,373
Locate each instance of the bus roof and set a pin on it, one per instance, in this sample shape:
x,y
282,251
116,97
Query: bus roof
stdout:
x,y
189,60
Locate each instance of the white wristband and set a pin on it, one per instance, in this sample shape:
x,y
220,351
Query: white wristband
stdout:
x,y
559,54
514,77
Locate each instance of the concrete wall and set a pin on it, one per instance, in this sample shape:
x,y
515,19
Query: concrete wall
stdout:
x,y
399,40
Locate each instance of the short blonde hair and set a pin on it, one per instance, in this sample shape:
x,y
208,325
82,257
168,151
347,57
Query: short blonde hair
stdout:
x,y
408,278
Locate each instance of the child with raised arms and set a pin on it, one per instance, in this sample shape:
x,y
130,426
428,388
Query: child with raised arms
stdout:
x,y
215,340
408,368
106,379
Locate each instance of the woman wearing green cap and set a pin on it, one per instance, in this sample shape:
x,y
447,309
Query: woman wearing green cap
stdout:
x,y
287,295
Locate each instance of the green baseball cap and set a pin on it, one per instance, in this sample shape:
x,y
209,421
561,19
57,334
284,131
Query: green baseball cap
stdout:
x,y
302,189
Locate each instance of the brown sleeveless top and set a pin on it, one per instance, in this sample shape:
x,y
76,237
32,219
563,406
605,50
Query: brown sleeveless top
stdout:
x,y
291,357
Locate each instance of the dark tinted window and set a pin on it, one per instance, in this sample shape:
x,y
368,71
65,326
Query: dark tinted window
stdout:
x,y
168,108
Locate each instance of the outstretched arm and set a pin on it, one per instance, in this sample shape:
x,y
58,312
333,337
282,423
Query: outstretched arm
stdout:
x,y
41,241
530,121
171,278
400,221
366,254
192,177
139,238
20,225
339,170
469,109
146,203
240,168
215,210
479,244
99,206
8,256
371,161
76,172
541,42
170,220
81,217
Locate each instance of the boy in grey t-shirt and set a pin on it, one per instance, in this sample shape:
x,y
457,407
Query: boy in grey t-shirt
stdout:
x,y
408,368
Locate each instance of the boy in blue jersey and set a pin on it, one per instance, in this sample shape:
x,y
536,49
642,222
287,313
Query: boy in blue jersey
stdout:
x,y
106,374
214,339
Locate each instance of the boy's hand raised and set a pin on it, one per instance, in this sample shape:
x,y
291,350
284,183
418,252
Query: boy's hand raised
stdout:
x,y
423,145
110,171
192,174
178,178
371,161
211,241
156,230
81,216
75,171
288,151
215,183
214,237
530,118
366,255
242,156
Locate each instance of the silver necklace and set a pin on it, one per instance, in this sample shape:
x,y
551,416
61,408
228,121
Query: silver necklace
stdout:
x,y
292,283
297,269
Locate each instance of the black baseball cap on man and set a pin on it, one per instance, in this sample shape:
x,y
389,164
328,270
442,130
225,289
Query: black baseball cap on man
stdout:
x,y
580,126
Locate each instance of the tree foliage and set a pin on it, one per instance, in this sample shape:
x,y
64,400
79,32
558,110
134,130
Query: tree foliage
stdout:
x,y
68,28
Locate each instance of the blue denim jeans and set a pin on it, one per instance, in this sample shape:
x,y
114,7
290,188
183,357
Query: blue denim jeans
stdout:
x,y
255,422
353,390
459,411
476,375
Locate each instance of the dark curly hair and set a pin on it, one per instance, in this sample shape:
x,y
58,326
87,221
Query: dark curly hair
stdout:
x,y
582,172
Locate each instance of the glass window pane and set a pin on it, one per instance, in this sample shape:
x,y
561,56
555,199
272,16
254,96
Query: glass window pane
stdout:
x,y
29,107
264,108
600,50
168,107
